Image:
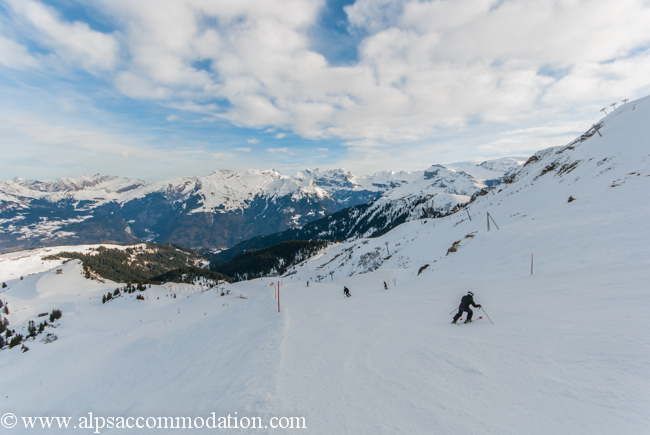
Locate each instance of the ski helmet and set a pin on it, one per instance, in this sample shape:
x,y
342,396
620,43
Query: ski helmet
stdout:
x,y
470,293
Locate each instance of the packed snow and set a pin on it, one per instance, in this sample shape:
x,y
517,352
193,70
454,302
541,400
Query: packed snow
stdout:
x,y
562,274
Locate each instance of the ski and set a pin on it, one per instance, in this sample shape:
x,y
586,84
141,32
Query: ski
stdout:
x,y
461,322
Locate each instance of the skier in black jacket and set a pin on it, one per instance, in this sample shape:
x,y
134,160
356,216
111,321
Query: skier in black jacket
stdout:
x,y
465,303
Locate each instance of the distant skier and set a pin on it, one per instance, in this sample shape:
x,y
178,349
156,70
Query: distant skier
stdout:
x,y
465,303
346,291
385,286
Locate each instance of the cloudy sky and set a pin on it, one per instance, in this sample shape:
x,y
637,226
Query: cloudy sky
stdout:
x,y
155,89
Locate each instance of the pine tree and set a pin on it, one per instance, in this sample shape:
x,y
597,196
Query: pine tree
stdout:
x,y
56,314
4,285
7,309
31,329
18,338
103,299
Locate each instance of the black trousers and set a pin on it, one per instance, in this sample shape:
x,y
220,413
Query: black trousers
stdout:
x,y
469,311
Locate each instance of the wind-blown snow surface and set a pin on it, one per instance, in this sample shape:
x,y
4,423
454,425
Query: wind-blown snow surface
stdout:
x,y
568,352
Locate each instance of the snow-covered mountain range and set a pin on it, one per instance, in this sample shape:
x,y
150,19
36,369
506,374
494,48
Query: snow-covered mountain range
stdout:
x,y
560,267
212,211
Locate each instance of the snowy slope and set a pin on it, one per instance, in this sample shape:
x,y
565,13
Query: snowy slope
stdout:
x,y
493,170
597,171
189,355
16,264
568,351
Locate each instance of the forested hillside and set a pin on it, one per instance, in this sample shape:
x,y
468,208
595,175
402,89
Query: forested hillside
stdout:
x,y
274,260
137,263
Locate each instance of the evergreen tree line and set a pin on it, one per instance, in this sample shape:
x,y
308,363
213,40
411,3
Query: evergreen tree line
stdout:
x,y
190,275
133,264
341,225
274,260
128,289
170,263
11,339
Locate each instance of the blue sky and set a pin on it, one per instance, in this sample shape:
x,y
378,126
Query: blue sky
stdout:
x,y
156,89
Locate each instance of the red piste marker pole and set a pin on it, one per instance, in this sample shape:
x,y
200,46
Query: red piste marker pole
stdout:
x,y
531,264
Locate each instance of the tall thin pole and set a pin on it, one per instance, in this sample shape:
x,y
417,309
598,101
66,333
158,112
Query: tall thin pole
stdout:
x,y
531,264
597,130
486,315
490,217
278,296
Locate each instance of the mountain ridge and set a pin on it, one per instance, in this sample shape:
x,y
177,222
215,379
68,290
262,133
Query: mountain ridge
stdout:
x,y
213,211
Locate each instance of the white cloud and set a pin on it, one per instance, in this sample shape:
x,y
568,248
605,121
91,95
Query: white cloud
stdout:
x,y
424,69
15,56
243,150
64,139
74,42
34,146
283,150
135,86
221,156
423,66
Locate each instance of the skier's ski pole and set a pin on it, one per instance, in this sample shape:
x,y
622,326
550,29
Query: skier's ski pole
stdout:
x,y
486,315
452,312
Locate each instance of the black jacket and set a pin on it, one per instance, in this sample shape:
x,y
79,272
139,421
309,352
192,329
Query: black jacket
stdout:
x,y
466,301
